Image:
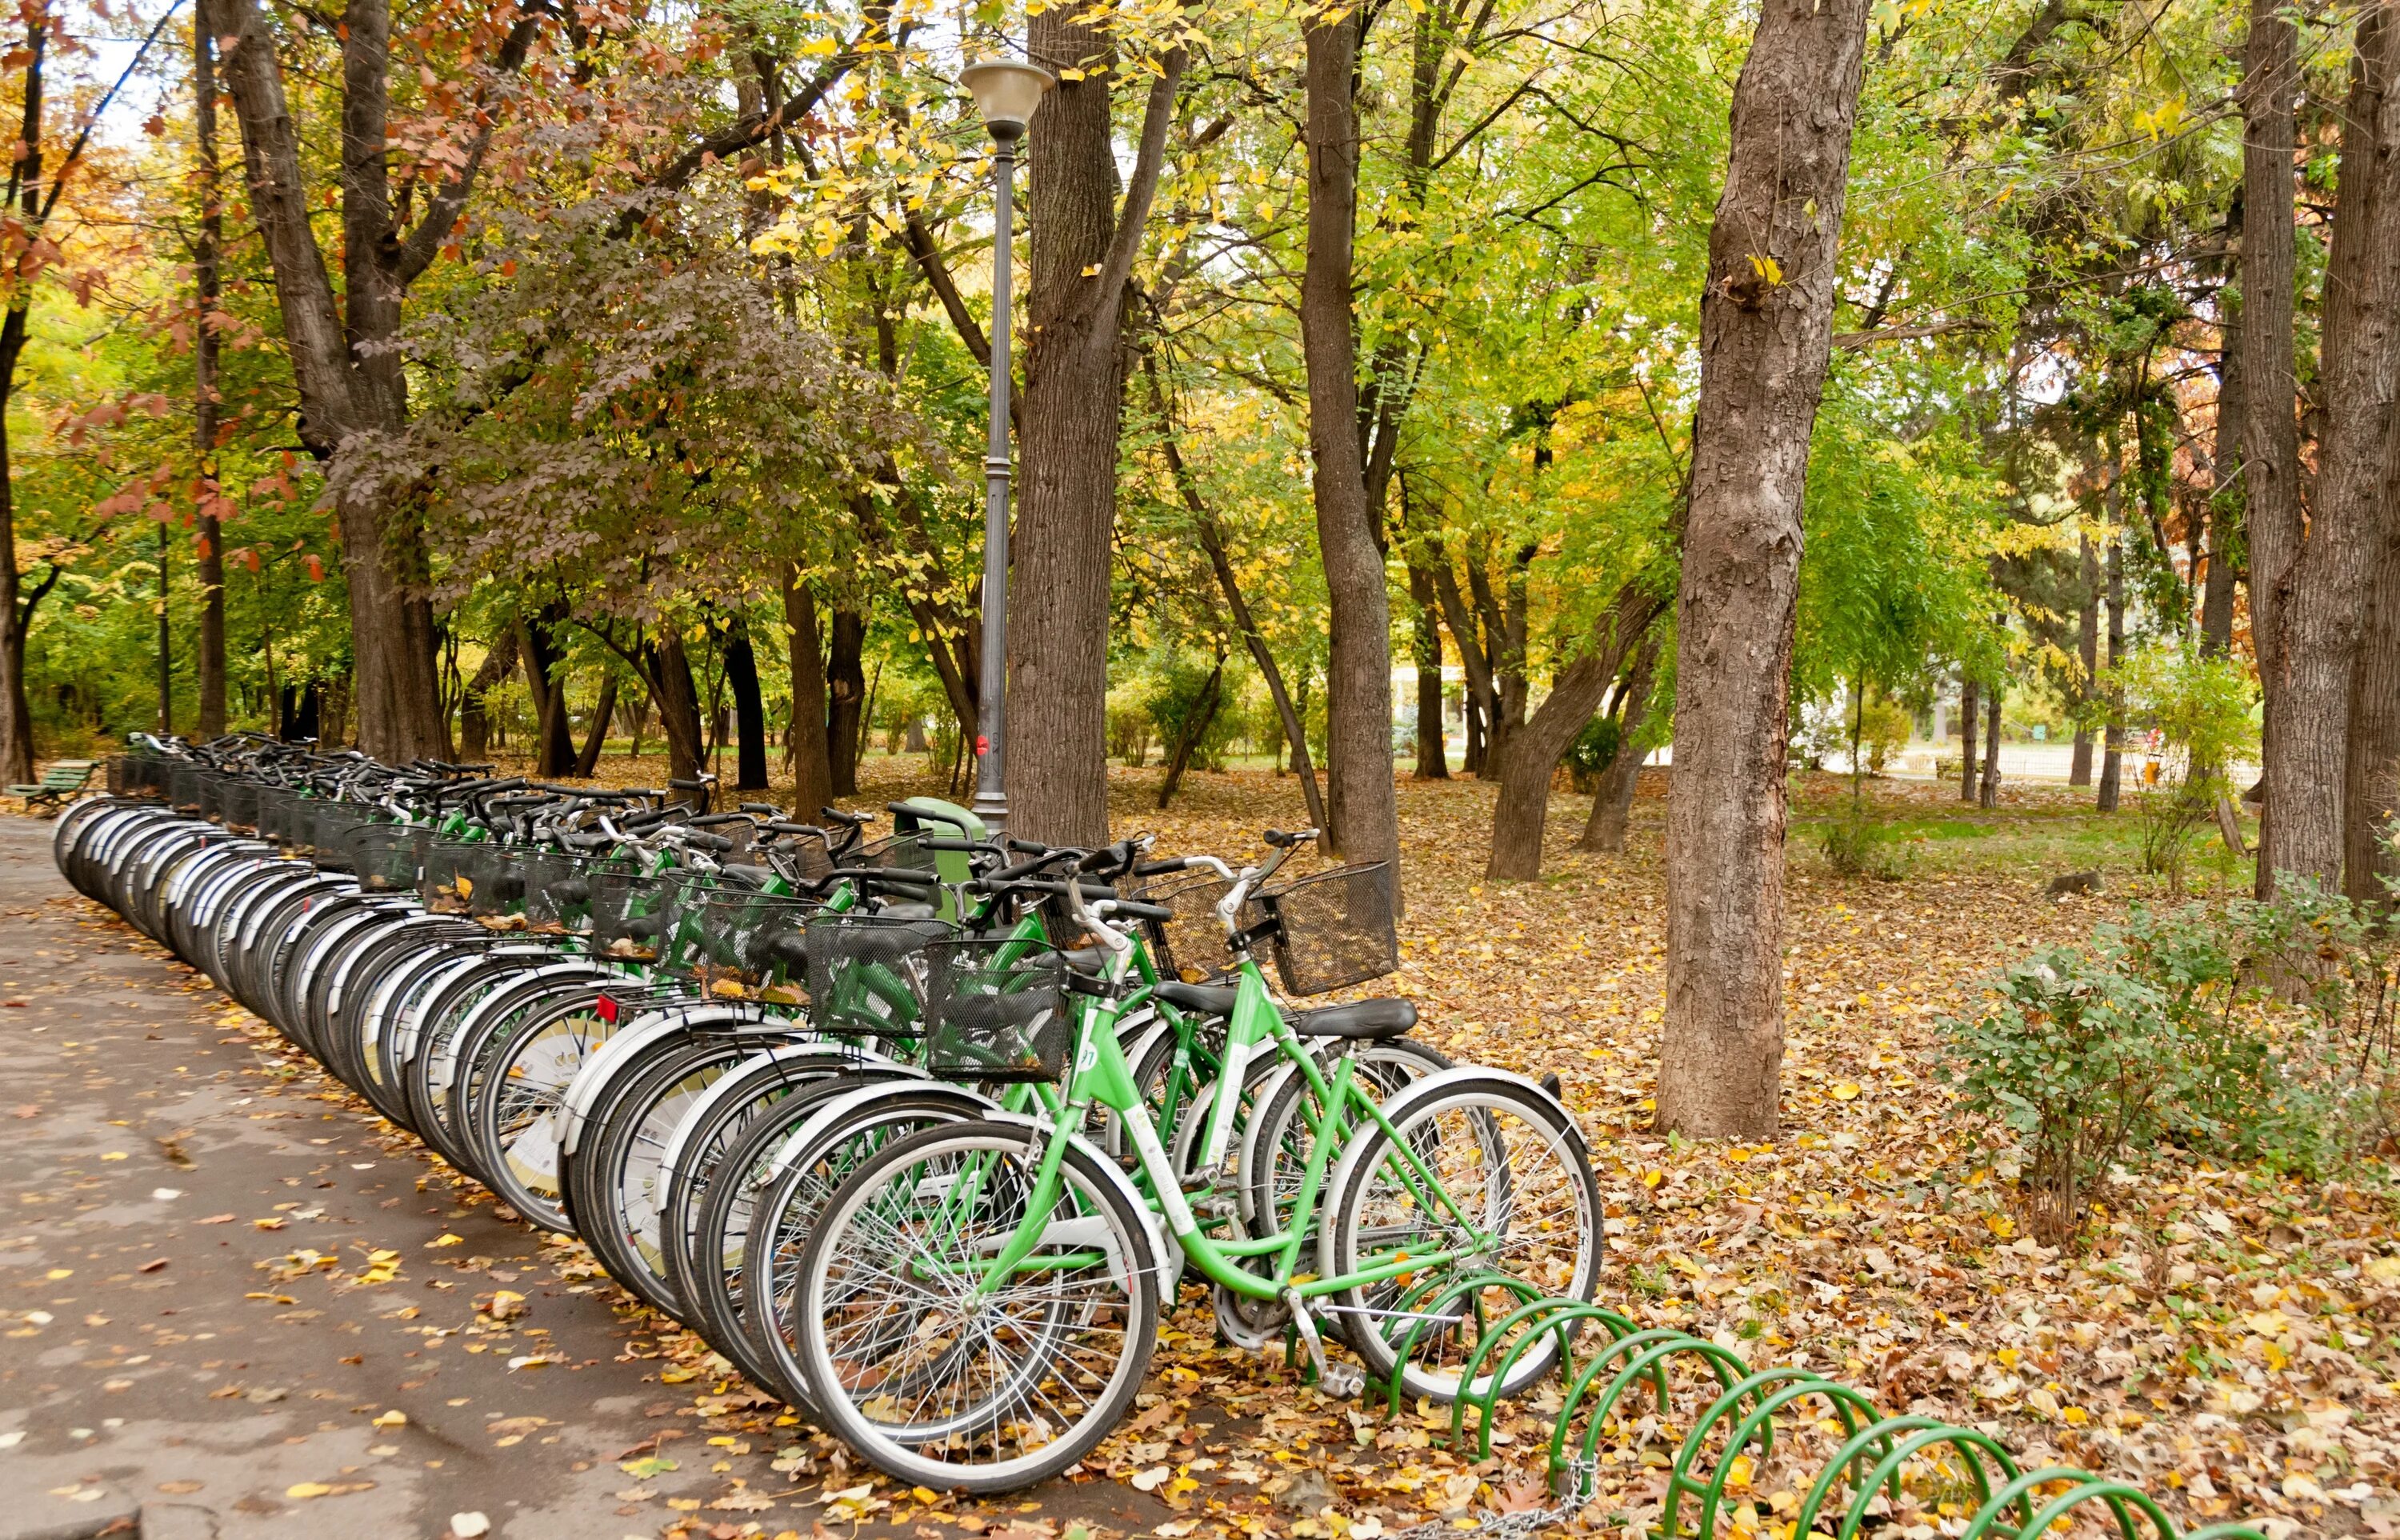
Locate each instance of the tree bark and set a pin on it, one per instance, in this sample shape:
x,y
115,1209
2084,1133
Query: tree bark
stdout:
x,y
1530,759
209,662
749,708
595,737
1765,337
1484,733
2087,641
1612,805
2225,497
1969,723
1988,794
668,668
1362,805
846,688
538,645
811,756
2318,611
2270,387
15,606
475,716
2112,759
1083,246
1433,753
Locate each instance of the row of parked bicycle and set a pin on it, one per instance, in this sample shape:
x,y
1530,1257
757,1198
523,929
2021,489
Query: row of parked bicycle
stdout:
x,y
922,1133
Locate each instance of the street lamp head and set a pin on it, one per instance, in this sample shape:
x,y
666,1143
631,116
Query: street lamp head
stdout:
x,y
1006,93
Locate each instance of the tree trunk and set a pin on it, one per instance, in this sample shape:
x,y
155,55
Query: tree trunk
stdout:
x,y
2087,641
1433,753
1989,794
1083,246
1477,750
811,758
1765,334
604,711
846,687
1361,805
346,362
474,716
749,708
1530,759
209,662
1612,805
668,668
2225,497
2112,761
553,739
1969,721
2318,612
16,606
2270,387
2373,789
1179,753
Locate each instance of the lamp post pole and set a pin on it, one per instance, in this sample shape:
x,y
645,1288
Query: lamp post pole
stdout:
x,y
991,704
1006,93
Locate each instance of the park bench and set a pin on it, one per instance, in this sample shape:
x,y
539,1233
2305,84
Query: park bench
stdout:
x,y
61,781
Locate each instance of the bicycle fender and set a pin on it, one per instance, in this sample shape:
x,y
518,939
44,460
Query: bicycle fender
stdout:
x,y
845,1107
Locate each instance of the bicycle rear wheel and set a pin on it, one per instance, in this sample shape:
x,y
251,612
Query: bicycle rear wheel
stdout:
x,y
1514,1169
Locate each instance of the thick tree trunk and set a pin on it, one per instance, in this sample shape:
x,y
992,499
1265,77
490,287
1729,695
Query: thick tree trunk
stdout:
x,y
1969,723
811,762
474,716
2318,611
749,708
553,739
2373,789
1612,805
1361,804
2270,387
595,737
2087,647
209,662
846,690
668,668
2112,759
1765,334
1530,759
1084,247
2225,498
1988,794
15,606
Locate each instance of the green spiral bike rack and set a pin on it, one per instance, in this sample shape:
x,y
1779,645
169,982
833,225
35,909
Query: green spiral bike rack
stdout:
x,y
2012,1504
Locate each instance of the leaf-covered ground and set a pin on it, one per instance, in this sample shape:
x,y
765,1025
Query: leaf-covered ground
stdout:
x,y
2224,1340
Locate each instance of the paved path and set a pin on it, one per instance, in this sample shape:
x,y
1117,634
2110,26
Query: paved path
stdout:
x,y
170,1349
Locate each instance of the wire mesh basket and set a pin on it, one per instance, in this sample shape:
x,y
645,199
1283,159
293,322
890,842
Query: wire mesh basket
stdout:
x,y
997,1010
211,793
334,824
867,974
1191,946
498,902
274,814
184,783
238,804
632,915
452,870
389,857
806,858
558,890
750,946
1334,929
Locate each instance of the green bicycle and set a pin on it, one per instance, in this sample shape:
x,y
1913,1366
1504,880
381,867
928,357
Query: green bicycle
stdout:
x,y
978,1303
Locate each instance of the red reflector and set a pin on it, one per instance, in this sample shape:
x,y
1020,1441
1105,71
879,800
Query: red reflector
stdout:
x,y
605,1008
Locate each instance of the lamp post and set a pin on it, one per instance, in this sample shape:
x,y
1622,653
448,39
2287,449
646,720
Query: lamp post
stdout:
x,y
1006,93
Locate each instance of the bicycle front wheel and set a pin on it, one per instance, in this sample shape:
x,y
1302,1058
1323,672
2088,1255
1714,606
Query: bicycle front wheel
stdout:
x,y
939,1384
1484,1164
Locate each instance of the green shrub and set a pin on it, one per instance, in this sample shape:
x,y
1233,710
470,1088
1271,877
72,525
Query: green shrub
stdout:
x,y
1858,845
1591,752
1885,728
2259,1032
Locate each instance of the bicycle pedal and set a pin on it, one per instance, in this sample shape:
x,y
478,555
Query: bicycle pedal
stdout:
x,y
1342,1382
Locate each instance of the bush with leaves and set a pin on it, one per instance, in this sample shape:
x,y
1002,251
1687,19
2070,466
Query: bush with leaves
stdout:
x,y
2256,1033
1591,752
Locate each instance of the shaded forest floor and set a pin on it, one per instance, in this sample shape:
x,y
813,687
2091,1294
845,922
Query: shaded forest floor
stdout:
x,y
2223,1339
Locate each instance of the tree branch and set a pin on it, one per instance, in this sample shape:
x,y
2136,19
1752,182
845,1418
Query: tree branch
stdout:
x,y
442,209
679,171
1116,268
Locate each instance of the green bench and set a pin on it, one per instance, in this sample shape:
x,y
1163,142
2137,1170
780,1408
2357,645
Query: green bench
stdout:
x,y
63,780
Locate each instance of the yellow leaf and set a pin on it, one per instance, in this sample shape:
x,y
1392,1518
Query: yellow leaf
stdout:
x,y
394,1418
438,1242
1767,268
306,1489
1846,1091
